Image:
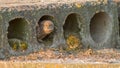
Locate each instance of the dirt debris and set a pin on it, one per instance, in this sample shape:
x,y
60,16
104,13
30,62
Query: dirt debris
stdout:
x,y
86,55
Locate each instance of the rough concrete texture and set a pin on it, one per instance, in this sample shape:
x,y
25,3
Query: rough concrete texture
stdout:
x,y
94,22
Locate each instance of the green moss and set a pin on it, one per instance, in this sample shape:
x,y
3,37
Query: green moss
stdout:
x,y
14,43
17,44
23,46
73,42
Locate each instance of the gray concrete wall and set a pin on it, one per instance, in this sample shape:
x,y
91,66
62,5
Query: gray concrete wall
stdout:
x,y
97,24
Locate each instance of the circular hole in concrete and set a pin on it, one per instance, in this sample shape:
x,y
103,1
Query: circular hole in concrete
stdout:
x,y
100,26
18,31
71,30
45,29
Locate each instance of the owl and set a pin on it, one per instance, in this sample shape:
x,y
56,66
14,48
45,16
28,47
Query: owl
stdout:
x,y
43,29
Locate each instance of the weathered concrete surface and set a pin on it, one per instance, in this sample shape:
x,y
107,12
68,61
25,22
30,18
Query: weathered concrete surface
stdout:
x,y
58,12
118,9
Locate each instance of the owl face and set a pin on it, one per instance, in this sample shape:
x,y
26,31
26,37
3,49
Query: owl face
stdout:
x,y
48,26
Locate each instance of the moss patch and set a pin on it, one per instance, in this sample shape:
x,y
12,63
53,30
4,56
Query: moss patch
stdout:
x,y
73,42
16,44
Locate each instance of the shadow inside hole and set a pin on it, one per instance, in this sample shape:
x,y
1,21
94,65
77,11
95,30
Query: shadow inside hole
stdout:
x,y
48,39
71,26
18,32
119,25
100,27
72,31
